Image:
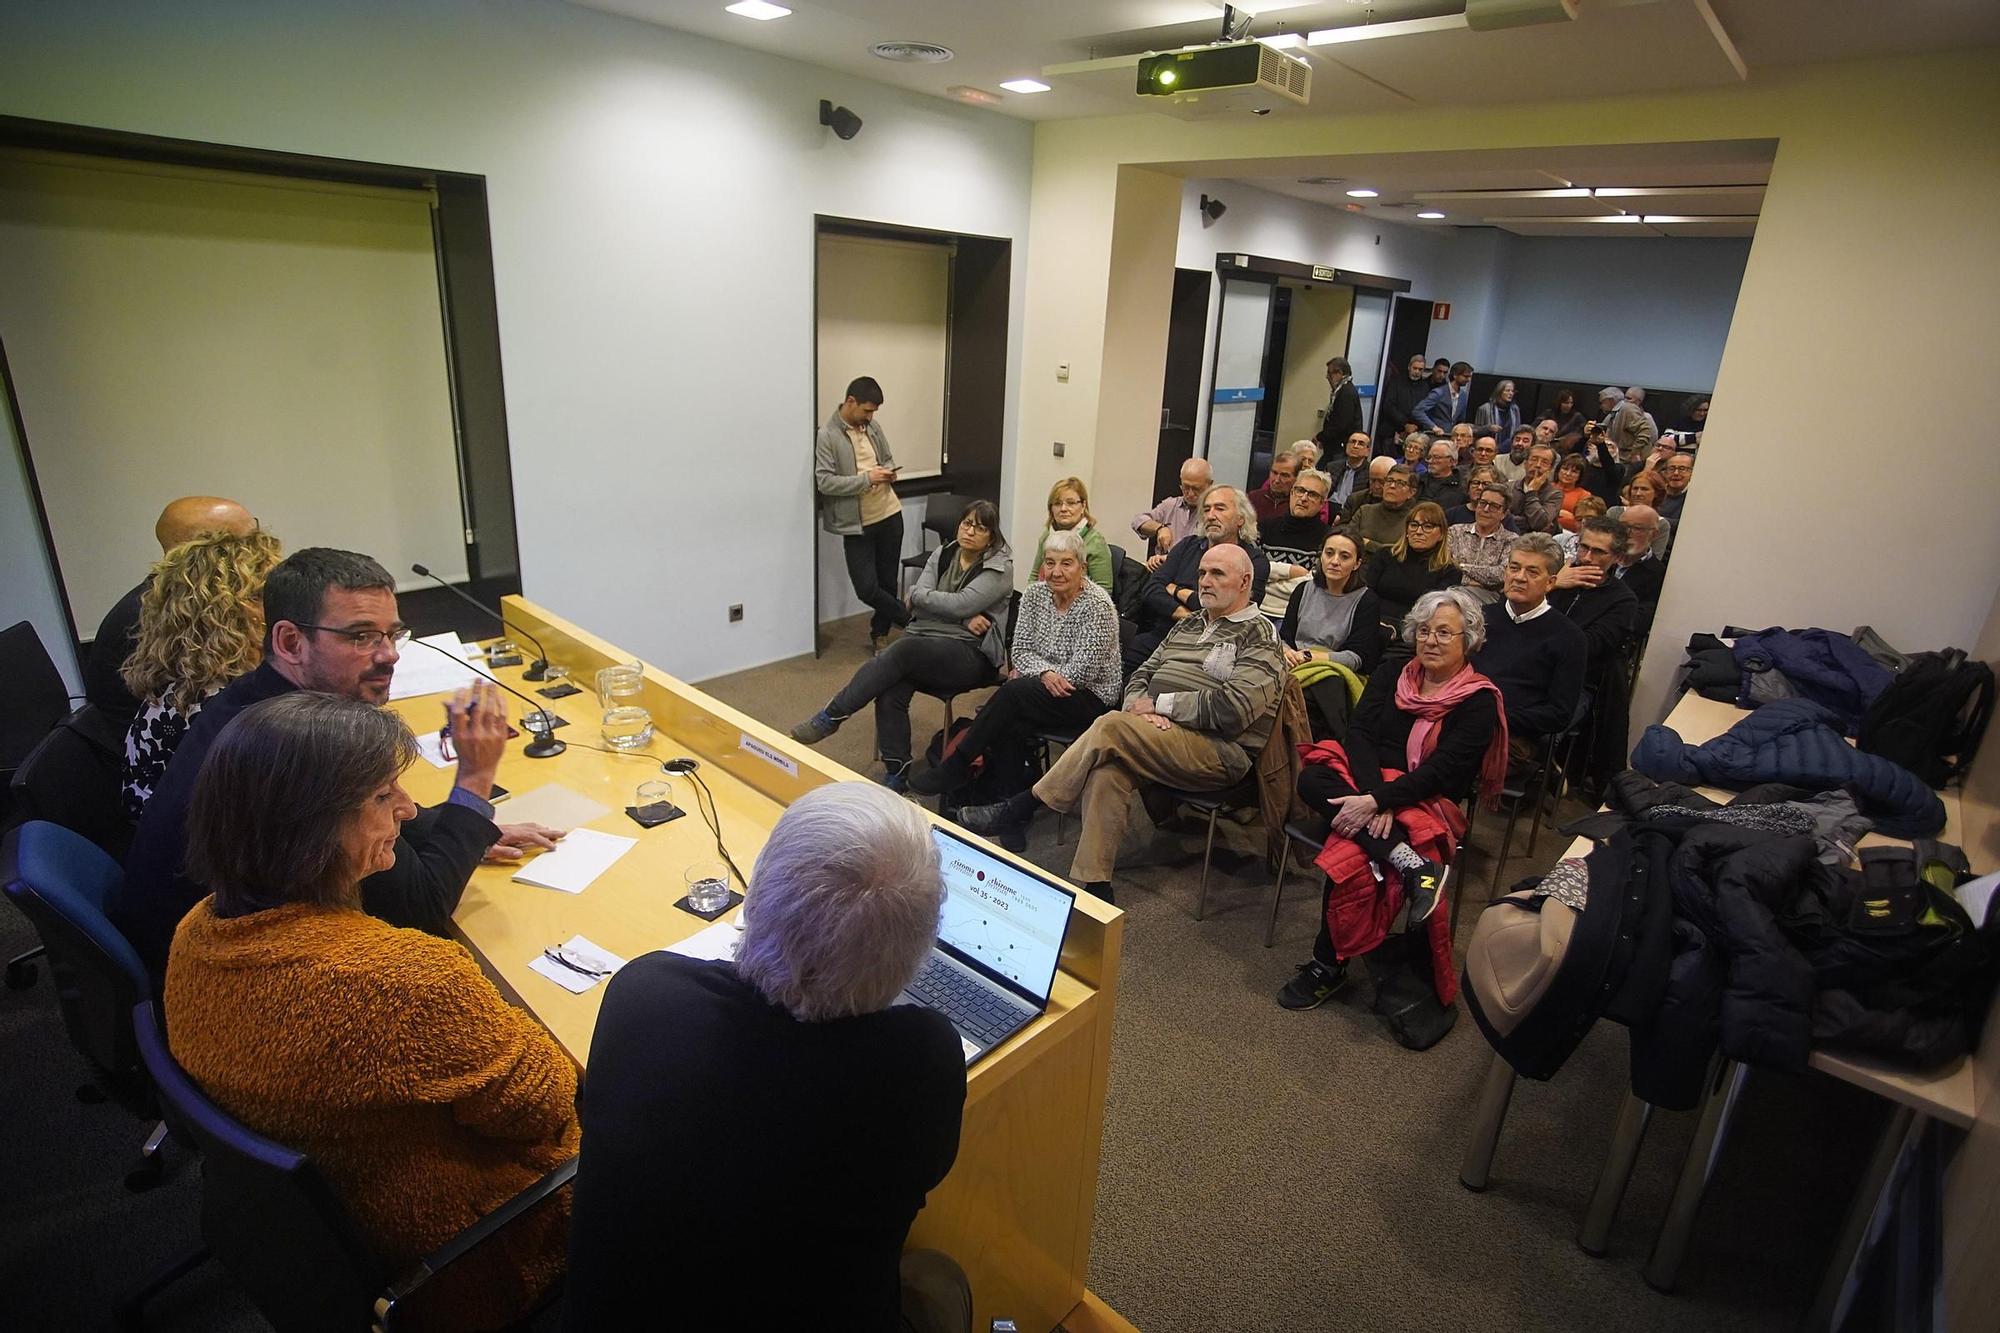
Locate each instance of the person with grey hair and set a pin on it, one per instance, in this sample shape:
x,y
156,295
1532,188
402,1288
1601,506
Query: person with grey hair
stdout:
x,y
1436,725
1171,592
1499,414
840,1108
1270,500
1625,424
1533,653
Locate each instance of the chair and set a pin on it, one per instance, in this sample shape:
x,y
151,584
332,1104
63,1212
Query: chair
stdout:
x,y
1212,804
1530,790
941,511
270,1218
1310,838
73,776
61,881
34,690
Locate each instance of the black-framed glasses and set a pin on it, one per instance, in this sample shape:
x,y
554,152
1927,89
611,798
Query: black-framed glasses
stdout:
x,y
366,640
1422,525
1316,496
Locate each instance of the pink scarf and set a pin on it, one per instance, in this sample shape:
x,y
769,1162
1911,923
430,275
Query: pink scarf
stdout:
x,y
1430,711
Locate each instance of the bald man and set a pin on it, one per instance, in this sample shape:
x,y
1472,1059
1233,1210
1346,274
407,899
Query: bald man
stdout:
x,y
182,520
1196,713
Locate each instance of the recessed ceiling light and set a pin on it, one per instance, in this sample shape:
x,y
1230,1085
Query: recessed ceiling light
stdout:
x,y
1362,194
757,9
1430,213
1024,85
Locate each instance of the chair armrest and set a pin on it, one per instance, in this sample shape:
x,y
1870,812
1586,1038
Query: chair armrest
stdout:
x,y
468,1240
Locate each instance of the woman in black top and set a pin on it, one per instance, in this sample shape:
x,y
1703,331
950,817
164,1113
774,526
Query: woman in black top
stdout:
x,y
1416,564
1333,617
1569,422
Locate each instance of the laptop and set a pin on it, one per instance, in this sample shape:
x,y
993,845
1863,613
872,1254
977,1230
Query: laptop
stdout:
x,y
999,938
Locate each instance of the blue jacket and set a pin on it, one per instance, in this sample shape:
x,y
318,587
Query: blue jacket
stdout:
x,y
1795,741
1822,665
1435,412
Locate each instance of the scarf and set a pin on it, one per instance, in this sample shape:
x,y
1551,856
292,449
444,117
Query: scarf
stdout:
x,y
1431,710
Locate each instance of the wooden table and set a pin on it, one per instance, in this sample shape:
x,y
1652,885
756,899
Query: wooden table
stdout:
x,y
1016,1210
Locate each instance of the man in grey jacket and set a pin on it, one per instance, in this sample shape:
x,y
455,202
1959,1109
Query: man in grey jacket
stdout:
x,y
855,475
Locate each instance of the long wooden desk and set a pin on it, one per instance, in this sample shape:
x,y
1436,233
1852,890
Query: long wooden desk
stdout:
x,y
1016,1210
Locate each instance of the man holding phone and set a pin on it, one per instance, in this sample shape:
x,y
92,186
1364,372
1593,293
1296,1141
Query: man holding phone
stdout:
x,y
855,475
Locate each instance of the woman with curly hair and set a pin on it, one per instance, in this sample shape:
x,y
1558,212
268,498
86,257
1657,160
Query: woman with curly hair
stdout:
x,y
201,625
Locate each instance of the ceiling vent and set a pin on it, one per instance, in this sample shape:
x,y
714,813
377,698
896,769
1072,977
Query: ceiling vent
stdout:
x,y
912,53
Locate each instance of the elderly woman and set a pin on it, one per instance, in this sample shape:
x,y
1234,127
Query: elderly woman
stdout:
x,y
1065,672
1069,511
383,1053
956,641
201,625
1500,414
1420,740
1333,619
784,1096
1416,563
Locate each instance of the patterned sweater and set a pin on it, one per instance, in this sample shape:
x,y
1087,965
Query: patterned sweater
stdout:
x,y
1219,677
1080,644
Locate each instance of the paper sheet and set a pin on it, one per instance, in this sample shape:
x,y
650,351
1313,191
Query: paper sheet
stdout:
x,y
577,860
420,671
431,746
552,804
717,941
580,950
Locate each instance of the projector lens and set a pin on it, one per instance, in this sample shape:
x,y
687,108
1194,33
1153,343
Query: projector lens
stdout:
x,y
1167,78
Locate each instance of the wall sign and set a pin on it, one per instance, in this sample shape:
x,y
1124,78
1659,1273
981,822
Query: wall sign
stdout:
x,y
1440,310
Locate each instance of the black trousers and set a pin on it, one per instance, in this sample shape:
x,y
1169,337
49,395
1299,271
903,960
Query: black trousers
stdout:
x,y
935,665
1319,784
1020,708
873,562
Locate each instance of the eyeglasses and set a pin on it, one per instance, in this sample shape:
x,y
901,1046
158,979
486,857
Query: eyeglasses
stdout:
x,y
1429,635
1309,494
1422,525
1488,504
366,640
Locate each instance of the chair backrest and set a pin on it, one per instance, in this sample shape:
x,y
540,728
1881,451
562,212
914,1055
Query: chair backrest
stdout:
x,y
73,776
36,698
941,511
266,1212
61,881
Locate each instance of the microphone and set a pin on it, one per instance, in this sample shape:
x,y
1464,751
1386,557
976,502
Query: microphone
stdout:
x,y
545,745
537,669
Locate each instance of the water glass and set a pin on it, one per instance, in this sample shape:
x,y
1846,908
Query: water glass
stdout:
x,y
627,725
707,885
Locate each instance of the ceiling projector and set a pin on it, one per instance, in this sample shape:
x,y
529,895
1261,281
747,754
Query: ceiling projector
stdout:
x,y
1226,76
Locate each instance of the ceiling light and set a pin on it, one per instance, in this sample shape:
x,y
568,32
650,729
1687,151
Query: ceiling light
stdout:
x,y
1024,85
1430,213
757,9
1362,194
1284,41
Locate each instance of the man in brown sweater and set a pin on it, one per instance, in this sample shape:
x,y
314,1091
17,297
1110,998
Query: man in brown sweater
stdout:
x,y
1196,713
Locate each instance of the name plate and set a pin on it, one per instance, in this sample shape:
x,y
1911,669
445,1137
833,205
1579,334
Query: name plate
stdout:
x,y
751,745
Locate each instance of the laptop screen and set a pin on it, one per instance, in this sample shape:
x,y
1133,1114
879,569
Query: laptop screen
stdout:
x,y
1008,918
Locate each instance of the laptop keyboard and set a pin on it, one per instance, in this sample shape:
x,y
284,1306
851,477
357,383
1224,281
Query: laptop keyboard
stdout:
x,y
973,1009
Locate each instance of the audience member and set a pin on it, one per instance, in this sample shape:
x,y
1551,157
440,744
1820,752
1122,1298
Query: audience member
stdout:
x,y
1485,452
1173,592
1539,500
1599,604
1176,516
1479,548
1269,500
1629,429
1478,479
1441,483
1343,404
1378,472
1381,524
1448,403
1648,488
1069,511
956,640
1513,464
1461,442
1676,474
1350,473
1692,418
1590,506
840,1108
1424,736
1333,618
1603,472
1417,563
1195,713
1398,401
1639,568
1291,542
1416,446
103,665
1533,654
201,625
1637,397
1569,480
1440,372
423,1097
1568,423
855,475
330,626
1499,413
1307,452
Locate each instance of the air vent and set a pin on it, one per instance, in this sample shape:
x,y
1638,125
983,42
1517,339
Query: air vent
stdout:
x,y
1283,74
912,53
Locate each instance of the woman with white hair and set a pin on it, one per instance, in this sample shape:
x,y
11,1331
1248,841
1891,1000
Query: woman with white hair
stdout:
x,y
1419,740
1499,416
759,1134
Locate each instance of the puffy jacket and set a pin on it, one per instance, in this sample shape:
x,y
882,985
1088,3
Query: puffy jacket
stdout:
x,y
1823,666
1795,741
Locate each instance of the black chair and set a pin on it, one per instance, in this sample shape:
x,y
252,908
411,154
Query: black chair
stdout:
x,y
1528,788
270,1218
36,697
1312,839
1212,803
941,511
73,777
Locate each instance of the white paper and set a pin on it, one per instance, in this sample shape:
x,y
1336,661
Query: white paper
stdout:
x,y
431,746
579,950
577,860
717,941
421,671
555,805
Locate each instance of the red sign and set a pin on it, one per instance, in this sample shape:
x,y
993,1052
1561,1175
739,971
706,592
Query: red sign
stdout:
x,y
1440,310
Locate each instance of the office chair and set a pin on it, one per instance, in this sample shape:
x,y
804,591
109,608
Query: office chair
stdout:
x,y
270,1218
36,698
73,777
941,511
1212,803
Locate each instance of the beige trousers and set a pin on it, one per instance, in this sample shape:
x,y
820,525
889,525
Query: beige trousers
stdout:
x,y
1099,773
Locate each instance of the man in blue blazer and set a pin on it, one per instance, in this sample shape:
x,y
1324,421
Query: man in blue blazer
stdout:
x,y
1449,403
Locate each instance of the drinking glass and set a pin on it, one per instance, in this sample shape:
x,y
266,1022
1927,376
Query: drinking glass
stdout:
x,y
707,885
654,793
627,725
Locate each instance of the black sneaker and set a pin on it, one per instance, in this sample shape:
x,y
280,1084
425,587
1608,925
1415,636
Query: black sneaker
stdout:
x,y
1313,985
1425,886
997,817
938,779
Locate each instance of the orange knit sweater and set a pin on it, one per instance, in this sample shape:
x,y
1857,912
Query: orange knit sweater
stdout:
x,y
389,1058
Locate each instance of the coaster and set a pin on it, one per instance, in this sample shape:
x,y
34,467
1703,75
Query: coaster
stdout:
x,y
734,898
562,691
511,659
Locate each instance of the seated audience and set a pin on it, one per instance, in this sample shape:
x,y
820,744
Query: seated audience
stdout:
x,y
1477,480
838,1108
1332,618
1461,440
182,520
201,625
1381,524
1069,511
1195,713
1539,499
1648,488
1676,473
1590,506
1442,483
1484,453
1269,500
1292,541
1640,569
330,626
1417,563
1172,591
1569,480
1065,669
1600,604
1307,453
1416,447
1625,424
1349,473
1532,652
1513,464
423,1097
1176,516
1422,736
1499,414
1378,471
1479,549
956,641
1568,423
1448,403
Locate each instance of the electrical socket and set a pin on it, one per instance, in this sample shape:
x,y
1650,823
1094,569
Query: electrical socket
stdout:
x,y
736,613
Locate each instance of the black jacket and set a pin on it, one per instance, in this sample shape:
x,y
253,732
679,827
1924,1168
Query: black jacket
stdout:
x,y
1400,396
1343,416
1182,568
1608,615
1400,582
103,683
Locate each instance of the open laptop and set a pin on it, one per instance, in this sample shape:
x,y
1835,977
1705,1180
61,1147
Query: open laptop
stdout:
x,y
1000,935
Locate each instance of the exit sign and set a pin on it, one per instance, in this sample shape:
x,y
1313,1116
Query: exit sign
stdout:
x,y
1440,310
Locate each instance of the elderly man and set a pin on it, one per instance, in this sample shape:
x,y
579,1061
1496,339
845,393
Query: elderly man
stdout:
x,y
1343,404
1292,541
1675,474
1629,429
1176,516
1381,524
1479,548
1640,567
1587,592
1270,500
182,520
1441,482
1637,397
1449,403
1349,472
330,624
1462,440
1538,502
1196,711
1532,652
1400,396
1378,470
1171,590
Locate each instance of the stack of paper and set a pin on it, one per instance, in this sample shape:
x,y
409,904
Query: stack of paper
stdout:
x,y
435,669
579,858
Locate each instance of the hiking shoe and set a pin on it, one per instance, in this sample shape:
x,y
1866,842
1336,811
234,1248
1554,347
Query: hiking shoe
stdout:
x,y
1313,985
816,728
999,817
1425,886
896,776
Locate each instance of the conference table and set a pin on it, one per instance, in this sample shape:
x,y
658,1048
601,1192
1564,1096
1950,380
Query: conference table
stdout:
x,y
1017,1209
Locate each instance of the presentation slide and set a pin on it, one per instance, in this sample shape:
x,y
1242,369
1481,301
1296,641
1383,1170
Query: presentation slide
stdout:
x,y
1001,915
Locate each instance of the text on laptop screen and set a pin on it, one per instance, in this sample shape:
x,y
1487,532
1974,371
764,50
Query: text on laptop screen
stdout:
x,y
1000,914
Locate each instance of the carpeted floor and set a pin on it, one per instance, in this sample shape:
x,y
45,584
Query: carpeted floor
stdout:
x,y
1262,1170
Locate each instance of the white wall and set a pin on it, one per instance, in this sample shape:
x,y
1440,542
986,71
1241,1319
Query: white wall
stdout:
x,y
652,198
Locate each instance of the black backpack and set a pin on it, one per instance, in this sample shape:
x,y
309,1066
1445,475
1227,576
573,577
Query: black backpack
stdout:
x,y
1932,715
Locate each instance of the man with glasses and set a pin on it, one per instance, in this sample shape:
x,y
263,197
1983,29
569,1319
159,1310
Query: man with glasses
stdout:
x,y
1675,474
330,625
1442,483
1639,568
1381,524
1479,548
1292,540
1599,604
1349,472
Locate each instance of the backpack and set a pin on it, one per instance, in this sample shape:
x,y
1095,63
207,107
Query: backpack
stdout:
x,y
994,776
1932,715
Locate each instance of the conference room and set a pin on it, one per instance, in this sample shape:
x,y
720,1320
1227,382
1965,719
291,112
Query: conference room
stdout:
x,y
551,298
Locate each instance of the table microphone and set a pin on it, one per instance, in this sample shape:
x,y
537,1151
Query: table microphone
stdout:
x,y
537,669
544,745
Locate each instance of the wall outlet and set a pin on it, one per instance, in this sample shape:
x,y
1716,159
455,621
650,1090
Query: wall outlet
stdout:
x,y
1062,372
1059,448
736,613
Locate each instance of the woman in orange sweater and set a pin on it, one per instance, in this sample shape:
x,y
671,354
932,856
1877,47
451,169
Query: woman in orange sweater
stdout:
x,y
382,1053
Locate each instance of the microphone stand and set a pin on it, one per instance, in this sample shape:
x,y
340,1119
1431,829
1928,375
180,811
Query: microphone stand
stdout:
x,y
544,745
537,669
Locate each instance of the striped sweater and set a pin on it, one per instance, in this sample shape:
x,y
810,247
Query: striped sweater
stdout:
x,y
1220,677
